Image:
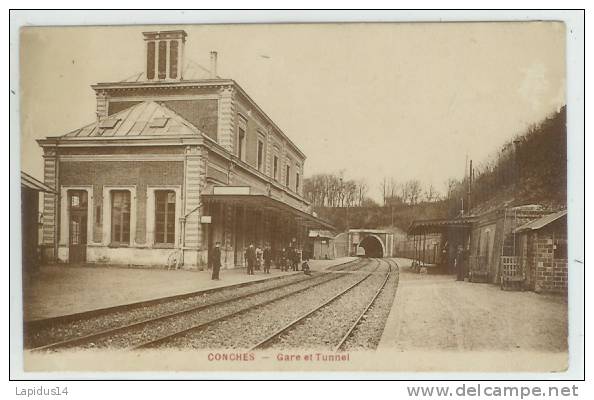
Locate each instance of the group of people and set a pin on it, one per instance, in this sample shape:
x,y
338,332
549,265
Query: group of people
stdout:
x,y
289,258
257,258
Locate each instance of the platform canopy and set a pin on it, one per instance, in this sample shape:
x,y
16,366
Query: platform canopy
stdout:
x,y
439,225
263,202
31,183
541,222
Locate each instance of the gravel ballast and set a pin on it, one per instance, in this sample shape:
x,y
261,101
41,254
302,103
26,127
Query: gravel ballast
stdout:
x,y
326,327
246,330
157,329
367,334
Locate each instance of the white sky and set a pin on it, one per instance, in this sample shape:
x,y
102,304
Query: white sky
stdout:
x,y
401,100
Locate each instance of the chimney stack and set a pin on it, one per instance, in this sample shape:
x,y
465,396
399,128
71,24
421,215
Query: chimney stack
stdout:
x,y
164,54
213,65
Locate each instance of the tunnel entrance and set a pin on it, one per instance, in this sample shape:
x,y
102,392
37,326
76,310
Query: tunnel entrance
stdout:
x,y
372,246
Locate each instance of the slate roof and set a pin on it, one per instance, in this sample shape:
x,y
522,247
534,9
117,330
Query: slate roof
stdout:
x,y
148,118
192,71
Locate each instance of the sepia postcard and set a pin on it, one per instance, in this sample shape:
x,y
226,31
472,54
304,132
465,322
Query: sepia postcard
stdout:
x,y
323,197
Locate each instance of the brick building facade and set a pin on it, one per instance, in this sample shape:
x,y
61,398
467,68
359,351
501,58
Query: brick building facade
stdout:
x,y
177,159
542,252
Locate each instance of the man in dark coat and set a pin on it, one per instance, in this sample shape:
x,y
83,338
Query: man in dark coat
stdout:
x,y
215,261
251,259
296,259
267,256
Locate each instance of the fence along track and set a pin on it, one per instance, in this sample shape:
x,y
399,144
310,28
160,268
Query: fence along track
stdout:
x,y
77,341
347,335
271,338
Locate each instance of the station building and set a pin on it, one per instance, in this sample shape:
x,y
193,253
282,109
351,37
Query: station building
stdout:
x,y
177,159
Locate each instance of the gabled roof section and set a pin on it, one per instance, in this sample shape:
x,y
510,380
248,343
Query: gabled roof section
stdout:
x,y
541,222
29,182
191,71
148,118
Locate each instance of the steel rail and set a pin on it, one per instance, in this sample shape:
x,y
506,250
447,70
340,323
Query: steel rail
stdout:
x,y
39,324
346,336
206,324
264,343
77,341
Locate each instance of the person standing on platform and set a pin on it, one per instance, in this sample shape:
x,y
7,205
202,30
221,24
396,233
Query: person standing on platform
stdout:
x,y
258,258
251,259
296,259
215,261
267,257
283,260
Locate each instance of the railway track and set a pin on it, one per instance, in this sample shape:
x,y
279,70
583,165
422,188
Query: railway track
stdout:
x,y
340,346
276,337
194,329
100,337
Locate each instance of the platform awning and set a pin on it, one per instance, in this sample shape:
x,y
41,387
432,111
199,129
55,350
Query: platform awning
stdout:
x,y
31,183
263,202
439,225
541,222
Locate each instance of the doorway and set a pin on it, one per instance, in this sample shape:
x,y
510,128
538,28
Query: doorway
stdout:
x,y
77,236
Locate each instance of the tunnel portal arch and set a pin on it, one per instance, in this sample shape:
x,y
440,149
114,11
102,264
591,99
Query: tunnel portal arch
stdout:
x,y
373,246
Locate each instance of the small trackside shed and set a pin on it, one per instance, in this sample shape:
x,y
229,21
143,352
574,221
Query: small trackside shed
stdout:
x,y
542,250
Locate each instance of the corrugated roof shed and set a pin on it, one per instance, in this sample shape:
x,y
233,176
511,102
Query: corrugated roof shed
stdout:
x,y
541,222
29,182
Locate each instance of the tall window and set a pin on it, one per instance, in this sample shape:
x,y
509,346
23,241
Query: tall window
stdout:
x,y
275,168
241,144
150,60
297,182
288,176
162,59
164,217
173,59
260,155
120,217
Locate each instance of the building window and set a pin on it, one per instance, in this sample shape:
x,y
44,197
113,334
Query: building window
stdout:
x,y
173,59
150,60
241,144
288,176
275,168
164,217
162,59
120,217
297,182
260,155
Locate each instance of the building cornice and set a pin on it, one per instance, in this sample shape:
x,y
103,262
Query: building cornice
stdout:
x,y
201,83
74,142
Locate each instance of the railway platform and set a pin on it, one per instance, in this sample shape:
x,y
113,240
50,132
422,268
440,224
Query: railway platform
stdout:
x,y
62,289
439,324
